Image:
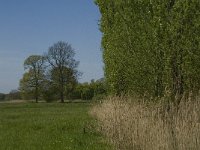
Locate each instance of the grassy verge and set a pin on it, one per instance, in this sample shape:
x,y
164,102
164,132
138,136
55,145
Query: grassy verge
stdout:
x,y
29,126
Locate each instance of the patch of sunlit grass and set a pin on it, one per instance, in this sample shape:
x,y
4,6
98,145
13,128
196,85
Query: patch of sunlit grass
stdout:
x,y
30,126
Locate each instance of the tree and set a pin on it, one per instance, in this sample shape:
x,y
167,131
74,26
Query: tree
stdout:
x,y
2,96
32,80
150,47
13,95
69,79
49,91
60,56
87,91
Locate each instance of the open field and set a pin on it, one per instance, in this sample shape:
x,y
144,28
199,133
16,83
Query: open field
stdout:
x,y
30,126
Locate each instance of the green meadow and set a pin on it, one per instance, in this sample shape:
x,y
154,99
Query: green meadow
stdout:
x,y
46,126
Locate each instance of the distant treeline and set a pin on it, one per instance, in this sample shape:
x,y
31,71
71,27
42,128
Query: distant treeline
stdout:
x,y
151,47
82,91
13,95
94,90
54,76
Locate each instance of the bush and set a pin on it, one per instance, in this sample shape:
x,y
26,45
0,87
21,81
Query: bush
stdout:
x,y
49,95
99,97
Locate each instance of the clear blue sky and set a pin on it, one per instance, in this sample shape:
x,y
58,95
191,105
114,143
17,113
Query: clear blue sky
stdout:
x,y
30,26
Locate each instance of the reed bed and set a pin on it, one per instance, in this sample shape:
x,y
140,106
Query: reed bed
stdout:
x,y
132,124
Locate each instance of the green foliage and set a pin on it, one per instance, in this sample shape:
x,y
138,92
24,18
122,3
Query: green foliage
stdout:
x,y
69,80
87,91
150,47
13,95
52,76
99,97
31,83
49,92
27,91
63,69
2,96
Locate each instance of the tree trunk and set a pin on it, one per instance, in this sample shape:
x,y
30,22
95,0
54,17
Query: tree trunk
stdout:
x,y
36,94
36,99
62,97
177,78
159,88
62,90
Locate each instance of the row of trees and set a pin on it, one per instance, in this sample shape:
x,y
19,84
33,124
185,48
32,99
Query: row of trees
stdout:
x,y
55,73
12,95
151,47
55,76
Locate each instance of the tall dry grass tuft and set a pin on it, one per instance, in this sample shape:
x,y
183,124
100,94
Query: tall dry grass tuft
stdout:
x,y
132,125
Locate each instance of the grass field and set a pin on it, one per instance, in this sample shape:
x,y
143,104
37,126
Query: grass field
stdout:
x,y
29,126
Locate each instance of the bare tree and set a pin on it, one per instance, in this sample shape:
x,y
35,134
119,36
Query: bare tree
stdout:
x,y
60,56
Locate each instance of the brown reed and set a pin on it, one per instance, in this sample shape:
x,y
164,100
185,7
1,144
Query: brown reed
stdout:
x,y
134,125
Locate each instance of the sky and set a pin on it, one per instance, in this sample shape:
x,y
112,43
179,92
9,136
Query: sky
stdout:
x,y
29,27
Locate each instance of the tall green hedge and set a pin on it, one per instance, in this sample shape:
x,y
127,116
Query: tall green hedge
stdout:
x,y
151,46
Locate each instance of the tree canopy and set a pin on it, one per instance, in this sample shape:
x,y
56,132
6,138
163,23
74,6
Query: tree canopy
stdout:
x,y
151,47
60,56
50,75
32,80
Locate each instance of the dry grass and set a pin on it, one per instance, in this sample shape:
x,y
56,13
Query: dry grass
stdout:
x,y
132,125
